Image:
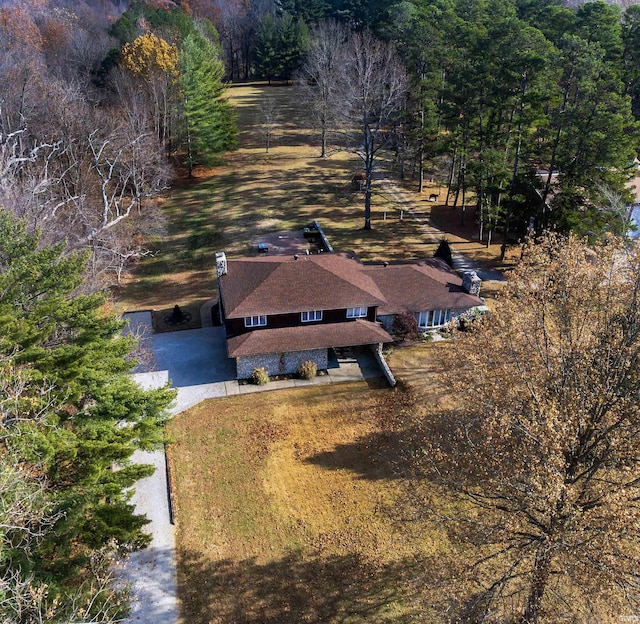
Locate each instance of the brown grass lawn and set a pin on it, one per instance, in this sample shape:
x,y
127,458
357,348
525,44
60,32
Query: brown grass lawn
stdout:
x,y
288,510
227,207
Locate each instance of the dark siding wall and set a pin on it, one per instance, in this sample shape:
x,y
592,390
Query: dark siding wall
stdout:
x,y
235,327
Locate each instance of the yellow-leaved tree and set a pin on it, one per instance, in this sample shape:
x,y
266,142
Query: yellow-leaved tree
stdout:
x,y
154,62
150,56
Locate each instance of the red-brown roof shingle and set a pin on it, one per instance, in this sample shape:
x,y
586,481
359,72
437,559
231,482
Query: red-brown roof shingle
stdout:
x,y
301,338
420,285
281,285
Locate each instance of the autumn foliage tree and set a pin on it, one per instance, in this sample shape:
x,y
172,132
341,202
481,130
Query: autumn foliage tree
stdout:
x,y
539,463
155,62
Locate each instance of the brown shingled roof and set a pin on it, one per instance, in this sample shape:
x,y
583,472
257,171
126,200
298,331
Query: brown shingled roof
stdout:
x,y
280,285
420,285
302,338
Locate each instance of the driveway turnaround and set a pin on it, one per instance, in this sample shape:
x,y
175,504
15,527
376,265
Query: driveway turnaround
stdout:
x,y
195,363
192,357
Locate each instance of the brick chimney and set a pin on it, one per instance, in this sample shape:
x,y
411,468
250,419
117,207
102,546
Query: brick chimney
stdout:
x,y
471,283
221,263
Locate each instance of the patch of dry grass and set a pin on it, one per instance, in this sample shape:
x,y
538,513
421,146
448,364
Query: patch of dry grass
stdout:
x,y
288,510
225,208
421,367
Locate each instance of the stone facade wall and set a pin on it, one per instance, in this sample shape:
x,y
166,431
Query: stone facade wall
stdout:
x,y
377,353
281,363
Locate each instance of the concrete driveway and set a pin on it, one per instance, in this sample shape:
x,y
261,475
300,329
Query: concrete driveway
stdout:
x,y
192,357
195,362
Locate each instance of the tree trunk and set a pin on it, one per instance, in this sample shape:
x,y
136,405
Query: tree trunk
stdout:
x,y
367,191
505,236
189,150
538,586
323,140
554,155
451,172
464,198
367,204
460,182
368,157
421,152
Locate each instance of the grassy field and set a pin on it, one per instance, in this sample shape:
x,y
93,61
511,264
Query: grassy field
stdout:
x,y
228,207
289,506
289,510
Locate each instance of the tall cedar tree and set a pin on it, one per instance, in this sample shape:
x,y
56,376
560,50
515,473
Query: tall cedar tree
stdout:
x,y
210,127
541,456
71,413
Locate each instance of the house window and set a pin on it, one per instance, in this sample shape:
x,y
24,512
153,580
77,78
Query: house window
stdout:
x,y
424,319
433,318
360,312
311,315
255,321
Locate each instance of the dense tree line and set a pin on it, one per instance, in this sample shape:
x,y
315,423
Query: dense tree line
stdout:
x,y
529,109
95,112
247,27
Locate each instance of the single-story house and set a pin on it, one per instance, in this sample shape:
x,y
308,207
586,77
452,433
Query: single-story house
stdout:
x,y
279,311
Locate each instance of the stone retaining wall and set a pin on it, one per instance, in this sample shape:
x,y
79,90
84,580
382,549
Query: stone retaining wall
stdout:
x,y
377,353
281,363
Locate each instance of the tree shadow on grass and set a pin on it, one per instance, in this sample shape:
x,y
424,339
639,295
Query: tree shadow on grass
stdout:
x,y
374,456
299,588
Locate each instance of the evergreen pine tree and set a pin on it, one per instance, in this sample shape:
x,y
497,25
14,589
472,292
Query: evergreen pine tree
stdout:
x,y
210,127
71,416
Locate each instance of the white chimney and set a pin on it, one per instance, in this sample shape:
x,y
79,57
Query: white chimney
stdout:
x,y
221,263
471,282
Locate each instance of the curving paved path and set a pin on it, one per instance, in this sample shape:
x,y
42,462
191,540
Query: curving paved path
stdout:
x,y
195,362
435,235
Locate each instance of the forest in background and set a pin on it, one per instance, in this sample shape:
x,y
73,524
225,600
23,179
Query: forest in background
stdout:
x,y
529,108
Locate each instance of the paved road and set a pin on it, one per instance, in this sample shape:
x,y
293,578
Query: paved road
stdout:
x,y
435,235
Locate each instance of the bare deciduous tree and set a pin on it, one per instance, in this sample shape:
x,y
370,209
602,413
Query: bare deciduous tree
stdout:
x,y
321,77
128,170
375,87
541,457
362,84
91,170
268,120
